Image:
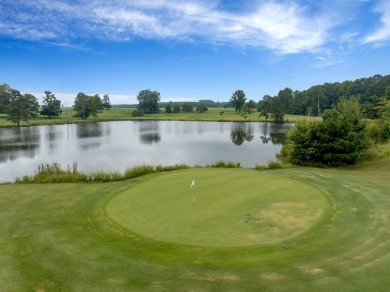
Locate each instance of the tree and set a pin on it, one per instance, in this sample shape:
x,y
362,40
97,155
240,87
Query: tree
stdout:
x,y
339,139
201,108
51,106
277,109
176,109
286,97
238,100
187,108
22,107
106,102
82,106
265,106
5,97
148,101
168,108
247,109
95,104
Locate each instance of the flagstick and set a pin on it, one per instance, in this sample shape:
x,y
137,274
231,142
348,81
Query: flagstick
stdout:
x,y
193,194
193,199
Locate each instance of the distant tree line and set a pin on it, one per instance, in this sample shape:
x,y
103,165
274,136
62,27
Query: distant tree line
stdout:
x,y
24,107
372,93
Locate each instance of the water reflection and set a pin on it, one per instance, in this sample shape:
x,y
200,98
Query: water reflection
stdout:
x,y
89,135
149,132
117,145
16,142
241,132
53,136
274,133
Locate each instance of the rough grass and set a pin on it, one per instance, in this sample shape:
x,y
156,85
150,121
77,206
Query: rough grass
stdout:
x,y
58,237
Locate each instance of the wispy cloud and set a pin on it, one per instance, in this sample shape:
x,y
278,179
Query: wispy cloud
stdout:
x,y
284,27
383,32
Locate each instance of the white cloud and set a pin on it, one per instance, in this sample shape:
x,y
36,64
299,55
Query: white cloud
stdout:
x,y
282,26
382,33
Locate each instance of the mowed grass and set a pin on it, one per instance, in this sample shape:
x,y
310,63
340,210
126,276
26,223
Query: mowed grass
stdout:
x,y
124,114
225,209
63,237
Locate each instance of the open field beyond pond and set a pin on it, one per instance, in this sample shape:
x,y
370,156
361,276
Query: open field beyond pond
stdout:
x,y
298,229
124,114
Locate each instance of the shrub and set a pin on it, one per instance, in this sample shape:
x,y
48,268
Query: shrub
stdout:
x,y
137,113
224,164
275,165
136,171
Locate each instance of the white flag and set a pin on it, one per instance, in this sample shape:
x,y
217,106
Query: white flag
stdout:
x,y
193,184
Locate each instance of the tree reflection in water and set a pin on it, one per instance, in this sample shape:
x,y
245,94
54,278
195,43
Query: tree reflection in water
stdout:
x,y
241,132
149,132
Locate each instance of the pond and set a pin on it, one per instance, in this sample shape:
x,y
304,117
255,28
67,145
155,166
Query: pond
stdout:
x,y
115,146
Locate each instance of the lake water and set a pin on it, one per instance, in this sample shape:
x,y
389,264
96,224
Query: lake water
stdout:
x,y
115,146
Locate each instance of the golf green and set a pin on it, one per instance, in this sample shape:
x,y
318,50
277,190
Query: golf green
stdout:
x,y
226,208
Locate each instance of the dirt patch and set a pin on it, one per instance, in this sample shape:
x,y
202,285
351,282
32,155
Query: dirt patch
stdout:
x,y
291,215
212,277
271,277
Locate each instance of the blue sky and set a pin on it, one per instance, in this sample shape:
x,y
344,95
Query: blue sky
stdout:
x,y
189,50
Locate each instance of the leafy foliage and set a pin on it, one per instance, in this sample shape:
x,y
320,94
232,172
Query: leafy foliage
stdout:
x,y
51,106
317,98
176,108
85,105
5,97
340,139
148,101
22,107
238,100
201,108
168,108
137,113
187,108
106,102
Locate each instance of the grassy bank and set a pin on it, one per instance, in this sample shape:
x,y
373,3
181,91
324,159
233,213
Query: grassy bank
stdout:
x,y
124,114
75,237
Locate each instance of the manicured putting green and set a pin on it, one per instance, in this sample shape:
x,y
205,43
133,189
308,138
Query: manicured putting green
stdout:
x,y
232,207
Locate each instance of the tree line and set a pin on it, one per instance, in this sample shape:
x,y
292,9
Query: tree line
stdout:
x,y
24,107
372,93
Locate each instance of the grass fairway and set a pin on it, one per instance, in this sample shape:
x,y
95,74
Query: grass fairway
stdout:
x,y
295,229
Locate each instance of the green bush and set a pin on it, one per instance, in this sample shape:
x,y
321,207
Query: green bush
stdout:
x,y
224,164
340,139
137,113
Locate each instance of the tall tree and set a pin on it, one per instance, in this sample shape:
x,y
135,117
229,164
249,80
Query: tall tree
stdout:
x,y
286,97
277,110
265,106
22,107
106,102
95,104
82,105
5,97
238,100
51,106
148,101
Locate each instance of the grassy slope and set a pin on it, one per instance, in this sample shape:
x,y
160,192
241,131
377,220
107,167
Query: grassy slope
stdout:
x,y
58,237
119,114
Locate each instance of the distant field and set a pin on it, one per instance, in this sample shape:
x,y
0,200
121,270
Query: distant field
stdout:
x,y
120,114
298,229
